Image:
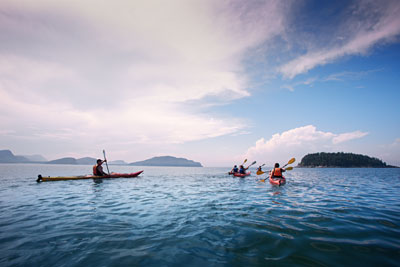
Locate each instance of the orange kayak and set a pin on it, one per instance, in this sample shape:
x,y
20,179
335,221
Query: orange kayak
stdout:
x,y
277,180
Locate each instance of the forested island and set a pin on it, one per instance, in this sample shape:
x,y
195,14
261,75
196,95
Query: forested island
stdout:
x,y
341,160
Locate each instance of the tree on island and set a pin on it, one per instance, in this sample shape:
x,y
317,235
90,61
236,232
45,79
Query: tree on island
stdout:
x,y
341,159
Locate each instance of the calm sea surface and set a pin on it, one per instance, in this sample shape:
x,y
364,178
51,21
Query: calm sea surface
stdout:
x,y
199,217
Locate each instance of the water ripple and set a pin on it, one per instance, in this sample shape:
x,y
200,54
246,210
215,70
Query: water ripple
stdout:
x,y
199,216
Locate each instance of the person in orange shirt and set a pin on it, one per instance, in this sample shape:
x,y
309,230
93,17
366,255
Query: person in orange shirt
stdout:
x,y
277,172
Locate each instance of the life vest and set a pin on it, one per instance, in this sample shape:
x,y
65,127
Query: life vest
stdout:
x,y
95,169
277,172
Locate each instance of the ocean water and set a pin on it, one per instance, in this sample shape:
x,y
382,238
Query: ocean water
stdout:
x,y
199,217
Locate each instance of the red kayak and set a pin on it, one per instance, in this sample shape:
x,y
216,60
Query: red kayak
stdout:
x,y
277,180
112,175
241,175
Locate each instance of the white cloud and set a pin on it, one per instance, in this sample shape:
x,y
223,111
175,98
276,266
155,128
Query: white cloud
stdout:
x,y
89,72
349,75
373,23
296,143
348,136
308,82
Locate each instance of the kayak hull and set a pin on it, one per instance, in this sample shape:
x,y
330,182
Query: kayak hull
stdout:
x,y
241,175
277,181
112,175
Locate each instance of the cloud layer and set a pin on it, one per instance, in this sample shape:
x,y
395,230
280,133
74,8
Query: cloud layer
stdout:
x,y
73,69
369,24
137,73
298,142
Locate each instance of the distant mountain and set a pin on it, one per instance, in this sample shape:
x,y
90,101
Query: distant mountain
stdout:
x,y
73,161
6,156
86,161
117,162
67,160
342,160
167,161
35,158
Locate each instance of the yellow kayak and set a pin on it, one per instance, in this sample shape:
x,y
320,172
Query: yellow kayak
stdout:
x,y
63,178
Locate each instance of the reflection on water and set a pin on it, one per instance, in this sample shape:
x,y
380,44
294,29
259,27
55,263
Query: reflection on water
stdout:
x,y
199,217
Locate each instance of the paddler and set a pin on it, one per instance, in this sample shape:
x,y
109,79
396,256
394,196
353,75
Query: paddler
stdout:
x,y
277,172
98,169
235,169
242,169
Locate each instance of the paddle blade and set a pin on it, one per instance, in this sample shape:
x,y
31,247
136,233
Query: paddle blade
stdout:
x,y
289,162
254,162
289,169
244,161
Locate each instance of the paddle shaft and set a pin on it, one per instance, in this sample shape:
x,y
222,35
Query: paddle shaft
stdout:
x,y
252,164
104,153
290,162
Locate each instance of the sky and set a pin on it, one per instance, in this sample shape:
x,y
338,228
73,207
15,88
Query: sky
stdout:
x,y
212,81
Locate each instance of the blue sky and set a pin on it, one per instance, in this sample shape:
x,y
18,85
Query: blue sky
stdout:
x,y
212,81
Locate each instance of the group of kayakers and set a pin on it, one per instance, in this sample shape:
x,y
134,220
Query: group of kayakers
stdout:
x,y
241,169
276,171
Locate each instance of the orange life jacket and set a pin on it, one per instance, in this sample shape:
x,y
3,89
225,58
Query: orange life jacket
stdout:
x,y
277,172
95,169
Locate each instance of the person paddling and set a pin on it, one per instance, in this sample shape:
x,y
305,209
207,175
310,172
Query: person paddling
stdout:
x,y
277,172
235,169
98,169
242,169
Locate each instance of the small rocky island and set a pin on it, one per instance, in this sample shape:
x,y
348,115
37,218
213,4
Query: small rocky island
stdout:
x,y
341,160
167,161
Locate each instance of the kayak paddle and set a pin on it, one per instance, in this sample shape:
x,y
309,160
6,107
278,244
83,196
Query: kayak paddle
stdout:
x,y
254,162
286,169
290,162
104,153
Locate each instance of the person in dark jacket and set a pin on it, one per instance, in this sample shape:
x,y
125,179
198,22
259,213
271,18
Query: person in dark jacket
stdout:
x,y
98,169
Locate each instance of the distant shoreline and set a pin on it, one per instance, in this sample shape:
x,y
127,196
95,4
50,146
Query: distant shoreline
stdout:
x,y
6,156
